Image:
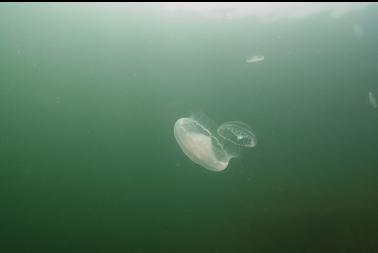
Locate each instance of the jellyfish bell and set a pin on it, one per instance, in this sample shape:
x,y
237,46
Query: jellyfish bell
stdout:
x,y
209,145
255,59
200,144
237,133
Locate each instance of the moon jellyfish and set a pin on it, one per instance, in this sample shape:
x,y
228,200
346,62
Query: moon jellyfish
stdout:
x,y
255,59
372,100
200,141
237,133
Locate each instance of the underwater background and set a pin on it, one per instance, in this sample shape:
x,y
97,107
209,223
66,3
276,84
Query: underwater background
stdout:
x,y
89,94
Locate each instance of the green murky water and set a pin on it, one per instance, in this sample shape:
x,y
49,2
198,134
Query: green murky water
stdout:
x,y
89,95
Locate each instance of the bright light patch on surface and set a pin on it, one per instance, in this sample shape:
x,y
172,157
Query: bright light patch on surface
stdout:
x,y
266,11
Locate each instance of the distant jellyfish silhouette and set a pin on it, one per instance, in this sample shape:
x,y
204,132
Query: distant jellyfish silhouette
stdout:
x,y
209,148
255,59
372,100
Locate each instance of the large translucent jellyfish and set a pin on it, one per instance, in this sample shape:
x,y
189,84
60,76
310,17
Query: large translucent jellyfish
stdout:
x,y
202,144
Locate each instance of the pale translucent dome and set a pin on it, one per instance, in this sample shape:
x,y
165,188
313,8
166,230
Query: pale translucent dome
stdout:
x,y
212,146
200,145
238,133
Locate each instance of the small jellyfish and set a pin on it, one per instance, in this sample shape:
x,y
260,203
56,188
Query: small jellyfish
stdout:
x,y
199,140
255,59
372,100
237,133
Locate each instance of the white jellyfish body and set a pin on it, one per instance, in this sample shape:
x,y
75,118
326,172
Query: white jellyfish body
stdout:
x,y
255,59
372,100
205,147
198,143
